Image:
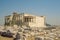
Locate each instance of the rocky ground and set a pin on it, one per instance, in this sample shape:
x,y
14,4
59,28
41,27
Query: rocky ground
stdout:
x,y
50,33
5,38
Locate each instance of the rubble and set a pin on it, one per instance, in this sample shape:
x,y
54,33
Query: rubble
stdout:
x,y
32,33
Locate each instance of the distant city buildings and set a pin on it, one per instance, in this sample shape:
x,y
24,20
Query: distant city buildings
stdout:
x,y
25,20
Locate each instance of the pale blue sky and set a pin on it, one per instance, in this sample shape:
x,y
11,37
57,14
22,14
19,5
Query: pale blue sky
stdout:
x,y
48,8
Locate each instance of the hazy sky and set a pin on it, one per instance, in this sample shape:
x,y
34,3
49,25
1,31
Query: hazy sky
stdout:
x,y
48,8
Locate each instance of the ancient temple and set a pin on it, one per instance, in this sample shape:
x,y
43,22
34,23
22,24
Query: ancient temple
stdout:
x,y
24,19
